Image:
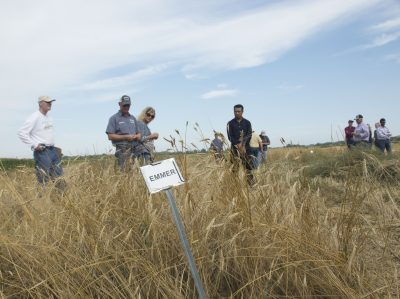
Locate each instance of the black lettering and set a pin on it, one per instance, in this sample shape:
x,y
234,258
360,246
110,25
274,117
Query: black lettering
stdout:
x,y
162,175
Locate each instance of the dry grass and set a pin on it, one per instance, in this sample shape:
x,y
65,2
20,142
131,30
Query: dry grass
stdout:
x,y
316,225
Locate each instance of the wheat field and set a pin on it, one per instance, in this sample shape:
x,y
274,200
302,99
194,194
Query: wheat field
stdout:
x,y
316,225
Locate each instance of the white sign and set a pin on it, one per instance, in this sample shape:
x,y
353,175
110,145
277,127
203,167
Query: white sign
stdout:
x,y
162,175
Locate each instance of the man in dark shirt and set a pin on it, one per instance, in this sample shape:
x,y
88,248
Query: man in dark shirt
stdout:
x,y
349,131
239,134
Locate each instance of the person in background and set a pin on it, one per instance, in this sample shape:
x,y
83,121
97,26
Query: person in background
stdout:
x,y
145,149
376,135
265,143
239,134
383,137
123,131
217,146
255,149
349,132
361,133
37,132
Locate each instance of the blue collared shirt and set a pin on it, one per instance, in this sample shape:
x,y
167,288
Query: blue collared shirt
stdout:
x,y
122,125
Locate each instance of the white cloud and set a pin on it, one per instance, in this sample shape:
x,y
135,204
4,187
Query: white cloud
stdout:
x,y
47,47
219,93
387,25
381,40
122,81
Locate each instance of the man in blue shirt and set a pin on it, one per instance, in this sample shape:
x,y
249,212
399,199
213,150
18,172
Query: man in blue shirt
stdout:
x,y
217,146
122,130
239,134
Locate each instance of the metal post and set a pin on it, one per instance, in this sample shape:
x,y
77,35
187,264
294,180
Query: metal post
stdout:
x,y
185,244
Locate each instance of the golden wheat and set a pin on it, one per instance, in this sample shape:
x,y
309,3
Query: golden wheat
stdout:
x,y
304,230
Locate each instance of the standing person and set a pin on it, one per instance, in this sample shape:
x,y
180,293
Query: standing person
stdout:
x,y
145,150
349,134
239,134
255,149
37,131
383,137
217,146
122,130
361,133
376,135
265,143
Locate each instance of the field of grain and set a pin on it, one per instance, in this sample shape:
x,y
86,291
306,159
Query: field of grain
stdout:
x,y
324,224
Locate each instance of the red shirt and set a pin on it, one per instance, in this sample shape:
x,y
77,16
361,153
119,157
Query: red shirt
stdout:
x,y
348,131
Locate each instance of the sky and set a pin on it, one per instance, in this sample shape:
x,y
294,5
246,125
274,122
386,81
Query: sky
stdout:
x,y
300,68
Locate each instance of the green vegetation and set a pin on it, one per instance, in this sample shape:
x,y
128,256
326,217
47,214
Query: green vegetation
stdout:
x,y
11,164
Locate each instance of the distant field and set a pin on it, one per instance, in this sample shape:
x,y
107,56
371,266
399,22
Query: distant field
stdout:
x,y
9,164
320,222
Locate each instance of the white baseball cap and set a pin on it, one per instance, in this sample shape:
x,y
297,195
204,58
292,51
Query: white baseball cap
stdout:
x,y
46,99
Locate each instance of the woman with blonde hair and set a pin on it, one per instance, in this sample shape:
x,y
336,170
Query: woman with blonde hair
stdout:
x,y
145,150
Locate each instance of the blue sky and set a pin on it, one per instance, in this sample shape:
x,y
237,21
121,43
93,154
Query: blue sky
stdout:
x,y
300,68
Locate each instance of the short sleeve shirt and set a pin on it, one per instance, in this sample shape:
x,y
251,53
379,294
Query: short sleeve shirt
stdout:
x,y
145,145
122,125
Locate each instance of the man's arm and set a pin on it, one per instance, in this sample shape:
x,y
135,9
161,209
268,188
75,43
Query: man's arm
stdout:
x,y
248,133
229,132
129,138
25,131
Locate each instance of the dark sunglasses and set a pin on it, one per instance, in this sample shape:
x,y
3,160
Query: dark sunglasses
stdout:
x,y
150,115
126,105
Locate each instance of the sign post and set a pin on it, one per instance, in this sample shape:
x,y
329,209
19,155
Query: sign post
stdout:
x,y
162,176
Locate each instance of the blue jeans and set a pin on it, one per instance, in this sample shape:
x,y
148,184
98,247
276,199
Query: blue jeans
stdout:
x,y
384,144
47,165
144,158
255,156
263,156
125,155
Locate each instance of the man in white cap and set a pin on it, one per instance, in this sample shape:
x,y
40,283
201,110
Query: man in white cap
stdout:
x,y
123,131
361,132
265,142
37,131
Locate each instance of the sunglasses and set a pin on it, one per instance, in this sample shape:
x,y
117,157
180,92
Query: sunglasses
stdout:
x,y
150,115
126,105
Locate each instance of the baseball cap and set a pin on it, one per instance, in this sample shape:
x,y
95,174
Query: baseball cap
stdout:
x,y
46,99
125,100
358,116
351,121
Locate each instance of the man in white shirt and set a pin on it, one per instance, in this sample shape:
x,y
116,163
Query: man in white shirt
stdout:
x,y
383,137
37,132
361,132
